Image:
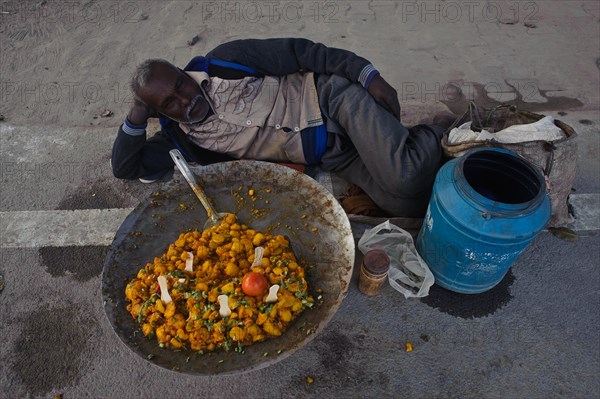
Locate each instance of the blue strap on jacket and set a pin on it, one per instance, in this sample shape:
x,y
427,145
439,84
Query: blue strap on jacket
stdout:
x,y
200,63
314,143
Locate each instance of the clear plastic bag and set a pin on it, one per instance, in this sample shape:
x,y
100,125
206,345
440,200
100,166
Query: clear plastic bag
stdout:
x,y
409,274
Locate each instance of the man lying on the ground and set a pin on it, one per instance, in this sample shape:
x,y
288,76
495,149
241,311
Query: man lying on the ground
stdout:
x,y
281,100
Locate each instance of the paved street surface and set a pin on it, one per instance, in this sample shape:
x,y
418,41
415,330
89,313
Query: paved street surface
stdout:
x,y
64,64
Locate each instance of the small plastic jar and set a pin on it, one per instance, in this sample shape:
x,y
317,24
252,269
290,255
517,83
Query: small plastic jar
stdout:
x,y
373,272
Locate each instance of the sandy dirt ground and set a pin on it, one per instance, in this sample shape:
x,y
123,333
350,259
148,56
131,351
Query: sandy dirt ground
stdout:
x,y
64,71
65,63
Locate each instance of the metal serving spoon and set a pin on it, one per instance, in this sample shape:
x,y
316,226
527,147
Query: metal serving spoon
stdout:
x,y
213,217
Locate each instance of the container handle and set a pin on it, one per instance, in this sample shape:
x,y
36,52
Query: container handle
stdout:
x,y
549,147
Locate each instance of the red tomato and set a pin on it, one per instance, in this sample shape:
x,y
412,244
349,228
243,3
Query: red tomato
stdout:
x,y
254,284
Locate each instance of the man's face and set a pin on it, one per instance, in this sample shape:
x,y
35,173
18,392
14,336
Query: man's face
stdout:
x,y
174,94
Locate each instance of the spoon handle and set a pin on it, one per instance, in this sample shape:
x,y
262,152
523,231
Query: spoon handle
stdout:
x,y
189,177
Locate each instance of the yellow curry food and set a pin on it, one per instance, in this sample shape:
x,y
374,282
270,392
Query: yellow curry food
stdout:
x,y
202,269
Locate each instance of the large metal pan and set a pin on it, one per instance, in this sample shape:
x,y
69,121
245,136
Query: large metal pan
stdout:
x,y
286,202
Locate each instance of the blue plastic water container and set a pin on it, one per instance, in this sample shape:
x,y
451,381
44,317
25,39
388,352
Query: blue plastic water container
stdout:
x,y
486,207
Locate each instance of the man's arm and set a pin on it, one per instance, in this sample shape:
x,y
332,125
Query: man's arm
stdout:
x,y
133,156
285,56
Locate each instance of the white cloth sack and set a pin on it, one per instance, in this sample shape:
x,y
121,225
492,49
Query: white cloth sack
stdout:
x,y
544,130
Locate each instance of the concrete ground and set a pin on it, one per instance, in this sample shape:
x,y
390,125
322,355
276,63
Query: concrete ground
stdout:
x,y
63,64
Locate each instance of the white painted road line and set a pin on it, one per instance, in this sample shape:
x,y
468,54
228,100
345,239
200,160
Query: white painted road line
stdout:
x,y
34,229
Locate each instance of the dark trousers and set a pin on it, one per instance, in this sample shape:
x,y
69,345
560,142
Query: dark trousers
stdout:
x,y
369,147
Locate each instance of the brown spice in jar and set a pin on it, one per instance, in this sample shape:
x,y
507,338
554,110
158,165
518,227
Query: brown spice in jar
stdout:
x,y
373,272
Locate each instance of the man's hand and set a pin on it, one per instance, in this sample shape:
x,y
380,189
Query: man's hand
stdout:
x,y
140,113
385,95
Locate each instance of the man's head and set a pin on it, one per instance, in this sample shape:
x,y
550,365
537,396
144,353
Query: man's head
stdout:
x,y
170,91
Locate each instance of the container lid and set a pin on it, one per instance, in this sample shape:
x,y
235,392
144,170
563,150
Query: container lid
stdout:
x,y
376,262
